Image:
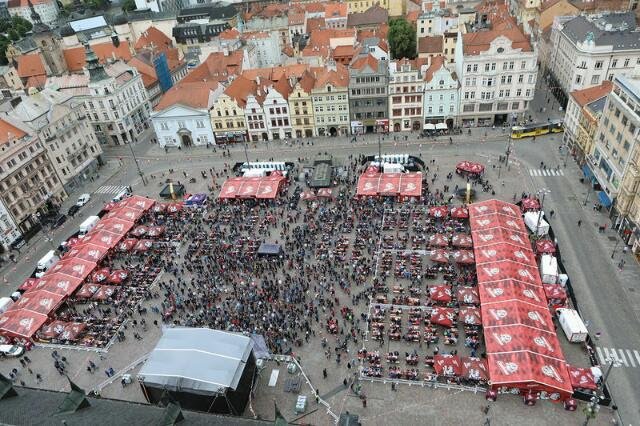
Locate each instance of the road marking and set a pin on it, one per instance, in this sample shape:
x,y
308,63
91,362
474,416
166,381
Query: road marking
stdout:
x,y
110,189
624,357
546,172
630,355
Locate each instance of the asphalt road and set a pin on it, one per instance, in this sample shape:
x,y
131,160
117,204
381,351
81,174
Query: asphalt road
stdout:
x,y
608,298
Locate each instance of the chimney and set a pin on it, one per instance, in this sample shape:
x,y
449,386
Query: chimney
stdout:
x,y
258,80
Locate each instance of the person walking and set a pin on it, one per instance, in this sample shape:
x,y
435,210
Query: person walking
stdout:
x,y
579,223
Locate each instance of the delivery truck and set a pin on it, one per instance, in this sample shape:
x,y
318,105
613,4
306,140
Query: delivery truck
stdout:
x,y
572,325
88,225
47,261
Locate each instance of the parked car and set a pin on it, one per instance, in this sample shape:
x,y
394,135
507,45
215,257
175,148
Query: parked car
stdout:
x,y
83,199
11,350
60,220
73,210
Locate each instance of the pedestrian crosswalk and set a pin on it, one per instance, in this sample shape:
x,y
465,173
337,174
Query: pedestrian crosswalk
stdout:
x,y
110,189
622,357
546,172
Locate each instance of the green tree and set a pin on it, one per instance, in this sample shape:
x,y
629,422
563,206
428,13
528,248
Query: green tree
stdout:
x,y
13,35
129,5
402,39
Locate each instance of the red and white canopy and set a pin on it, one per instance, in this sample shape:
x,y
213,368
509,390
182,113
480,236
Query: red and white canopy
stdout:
x,y
390,184
438,240
470,315
530,371
114,225
325,192
439,255
467,296
582,378
445,317
440,293
530,204
555,292
87,251
462,240
72,267
447,365
439,212
87,290
102,238
264,187
58,283
545,246
464,257
474,368
459,212
40,301
21,323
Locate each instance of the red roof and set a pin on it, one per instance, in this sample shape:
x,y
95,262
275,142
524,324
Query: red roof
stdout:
x,y
475,43
194,94
30,65
591,94
218,67
9,132
41,301
22,323
154,38
76,60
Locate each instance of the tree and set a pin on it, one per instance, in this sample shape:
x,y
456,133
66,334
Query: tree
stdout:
x,y
13,35
129,5
402,39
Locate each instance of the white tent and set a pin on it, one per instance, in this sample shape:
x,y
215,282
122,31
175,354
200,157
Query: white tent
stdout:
x,y
429,126
549,269
531,220
392,168
441,126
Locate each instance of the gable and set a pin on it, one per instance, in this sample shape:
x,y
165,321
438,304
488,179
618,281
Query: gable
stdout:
x,y
177,111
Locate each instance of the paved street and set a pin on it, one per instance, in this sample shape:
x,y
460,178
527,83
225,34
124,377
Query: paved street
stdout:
x,y
609,299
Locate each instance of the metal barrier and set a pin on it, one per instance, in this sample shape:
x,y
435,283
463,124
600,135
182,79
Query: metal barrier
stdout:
x,y
120,373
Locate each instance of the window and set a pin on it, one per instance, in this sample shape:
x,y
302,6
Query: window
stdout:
x,y
614,63
200,124
520,78
595,79
475,66
626,62
487,67
578,79
523,65
598,65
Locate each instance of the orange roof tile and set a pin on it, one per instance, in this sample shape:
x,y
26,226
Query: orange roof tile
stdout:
x,y
316,7
283,87
344,51
239,89
320,40
381,32
25,3
30,65
148,73
586,96
217,66
8,132
154,37
363,61
307,81
229,34
474,43
37,81
430,44
436,64
335,10
413,16
315,24
193,94
76,60
296,18
337,78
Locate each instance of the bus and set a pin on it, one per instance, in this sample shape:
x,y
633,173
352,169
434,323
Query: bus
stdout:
x,y
553,126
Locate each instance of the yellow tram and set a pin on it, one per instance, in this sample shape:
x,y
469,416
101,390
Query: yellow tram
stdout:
x,y
537,129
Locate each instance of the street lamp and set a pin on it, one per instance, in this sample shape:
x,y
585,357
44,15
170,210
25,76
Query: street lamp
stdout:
x,y
614,248
508,152
543,192
591,410
135,159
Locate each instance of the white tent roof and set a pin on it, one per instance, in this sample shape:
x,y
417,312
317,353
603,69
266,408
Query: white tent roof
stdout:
x,y
197,360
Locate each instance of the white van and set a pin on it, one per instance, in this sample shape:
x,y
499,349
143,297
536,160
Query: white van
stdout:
x,y
83,199
88,224
46,262
11,350
121,195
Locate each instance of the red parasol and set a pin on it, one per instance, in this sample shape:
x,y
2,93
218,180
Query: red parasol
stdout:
x,y
554,292
582,378
128,244
143,245
468,296
28,284
439,255
470,315
438,211
87,290
175,207
464,257
72,330
159,207
462,240
530,204
442,316
101,275
139,231
51,330
474,368
447,365
440,293
545,246
470,167
325,192
459,212
438,240
104,292
155,231
307,196
118,276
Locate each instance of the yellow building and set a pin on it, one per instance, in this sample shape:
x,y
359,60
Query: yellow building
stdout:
x,y
301,106
359,6
227,113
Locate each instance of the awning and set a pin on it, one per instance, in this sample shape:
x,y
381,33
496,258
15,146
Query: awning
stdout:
x,y
441,126
429,126
604,199
390,184
587,171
